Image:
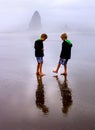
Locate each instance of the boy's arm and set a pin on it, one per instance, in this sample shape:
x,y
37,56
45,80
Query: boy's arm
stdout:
x,y
35,45
42,49
38,46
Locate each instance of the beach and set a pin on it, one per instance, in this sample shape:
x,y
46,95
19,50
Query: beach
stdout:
x,y
29,102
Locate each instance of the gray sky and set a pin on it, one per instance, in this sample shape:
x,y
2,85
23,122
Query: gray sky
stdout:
x,y
16,14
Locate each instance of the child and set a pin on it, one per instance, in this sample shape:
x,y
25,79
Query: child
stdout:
x,y
39,53
65,54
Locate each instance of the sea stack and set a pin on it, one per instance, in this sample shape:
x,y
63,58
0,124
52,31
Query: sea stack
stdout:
x,y
35,23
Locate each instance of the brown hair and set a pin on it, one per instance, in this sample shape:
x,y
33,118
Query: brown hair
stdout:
x,y
64,36
44,36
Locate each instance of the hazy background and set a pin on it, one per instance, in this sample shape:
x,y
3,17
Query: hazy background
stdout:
x,y
18,82
77,15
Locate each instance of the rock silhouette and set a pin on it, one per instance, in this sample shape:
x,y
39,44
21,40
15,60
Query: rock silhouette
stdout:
x,y
35,23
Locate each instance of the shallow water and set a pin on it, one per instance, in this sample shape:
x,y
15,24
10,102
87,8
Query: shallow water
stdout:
x,y
28,102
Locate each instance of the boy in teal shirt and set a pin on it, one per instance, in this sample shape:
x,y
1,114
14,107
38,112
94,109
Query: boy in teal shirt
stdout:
x,y
65,54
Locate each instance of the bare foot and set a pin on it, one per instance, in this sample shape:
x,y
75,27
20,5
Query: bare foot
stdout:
x,y
54,71
41,74
56,77
63,73
37,73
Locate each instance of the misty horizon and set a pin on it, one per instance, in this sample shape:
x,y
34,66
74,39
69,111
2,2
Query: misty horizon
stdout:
x,y
56,16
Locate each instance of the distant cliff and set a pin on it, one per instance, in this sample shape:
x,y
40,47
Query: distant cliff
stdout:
x,y
35,23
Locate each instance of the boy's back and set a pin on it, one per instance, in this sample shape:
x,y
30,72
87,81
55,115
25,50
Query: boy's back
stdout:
x,y
39,48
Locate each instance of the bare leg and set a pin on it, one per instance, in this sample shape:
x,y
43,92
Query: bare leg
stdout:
x,y
38,66
41,73
65,70
41,64
56,71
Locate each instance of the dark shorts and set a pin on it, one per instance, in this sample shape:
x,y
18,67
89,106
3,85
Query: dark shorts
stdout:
x,y
39,59
63,61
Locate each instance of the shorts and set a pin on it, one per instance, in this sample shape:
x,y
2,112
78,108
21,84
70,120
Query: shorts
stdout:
x,y
63,61
39,59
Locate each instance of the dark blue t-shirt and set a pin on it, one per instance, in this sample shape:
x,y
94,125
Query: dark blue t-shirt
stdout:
x,y
39,48
66,50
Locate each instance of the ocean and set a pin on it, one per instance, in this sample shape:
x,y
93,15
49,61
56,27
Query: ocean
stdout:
x,y
30,102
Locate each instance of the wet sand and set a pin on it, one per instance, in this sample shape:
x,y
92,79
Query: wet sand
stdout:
x,y
30,102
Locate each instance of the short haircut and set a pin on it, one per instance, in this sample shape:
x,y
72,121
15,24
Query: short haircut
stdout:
x,y
44,36
64,35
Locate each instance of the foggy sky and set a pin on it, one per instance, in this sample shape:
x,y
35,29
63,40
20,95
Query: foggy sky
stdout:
x,y
16,14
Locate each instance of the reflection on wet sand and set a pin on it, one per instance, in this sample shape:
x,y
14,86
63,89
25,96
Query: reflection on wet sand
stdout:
x,y
40,98
65,93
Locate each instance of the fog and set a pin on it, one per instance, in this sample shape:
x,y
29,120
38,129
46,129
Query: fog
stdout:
x,y
15,15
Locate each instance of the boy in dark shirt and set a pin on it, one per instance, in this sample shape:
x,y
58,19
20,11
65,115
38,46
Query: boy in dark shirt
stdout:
x,y
65,54
39,53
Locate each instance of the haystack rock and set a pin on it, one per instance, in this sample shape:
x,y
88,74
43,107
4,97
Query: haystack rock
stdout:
x,y
35,23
